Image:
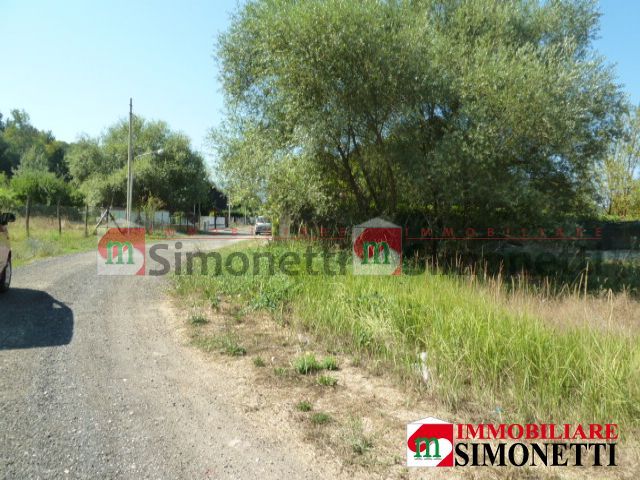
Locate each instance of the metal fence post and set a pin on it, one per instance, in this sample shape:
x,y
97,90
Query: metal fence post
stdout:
x,y
59,219
86,220
27,213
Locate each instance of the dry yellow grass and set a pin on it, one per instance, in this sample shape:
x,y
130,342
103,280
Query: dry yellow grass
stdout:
x,y
45,241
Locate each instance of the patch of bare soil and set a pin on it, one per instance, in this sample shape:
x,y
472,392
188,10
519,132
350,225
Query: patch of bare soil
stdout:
x,y
358,425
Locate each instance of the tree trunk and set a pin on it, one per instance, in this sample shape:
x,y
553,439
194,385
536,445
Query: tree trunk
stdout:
x,y
362,202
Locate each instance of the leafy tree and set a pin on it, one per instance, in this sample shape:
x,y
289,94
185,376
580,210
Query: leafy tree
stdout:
x,y
621,169
105,189
86,157
34,159
55,152
150,207
24,146
40,187
259,176
177,177
7,197
17,136
19,132
6,160
472,112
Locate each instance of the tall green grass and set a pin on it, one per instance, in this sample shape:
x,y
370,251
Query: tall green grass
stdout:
x,y
481,357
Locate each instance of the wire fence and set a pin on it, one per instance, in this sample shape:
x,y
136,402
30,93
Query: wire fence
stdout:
x,y
73,218
67,218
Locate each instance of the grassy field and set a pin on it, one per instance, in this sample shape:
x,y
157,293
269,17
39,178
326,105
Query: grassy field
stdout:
x,y
482,349
44,240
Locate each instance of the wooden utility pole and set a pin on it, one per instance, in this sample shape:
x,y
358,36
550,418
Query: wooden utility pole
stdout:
x,y
129,166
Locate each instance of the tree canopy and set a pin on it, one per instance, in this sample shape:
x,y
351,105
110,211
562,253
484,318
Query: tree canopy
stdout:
x,y
40,187
621,185
34,164
24,146
470,111
177,177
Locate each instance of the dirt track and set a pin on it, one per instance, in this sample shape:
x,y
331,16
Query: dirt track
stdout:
x,y
95,384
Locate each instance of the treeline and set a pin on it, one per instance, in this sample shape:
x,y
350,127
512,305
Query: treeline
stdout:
x,y
36,167
442,112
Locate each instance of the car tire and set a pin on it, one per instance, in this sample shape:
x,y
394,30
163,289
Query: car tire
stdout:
x,y
5,278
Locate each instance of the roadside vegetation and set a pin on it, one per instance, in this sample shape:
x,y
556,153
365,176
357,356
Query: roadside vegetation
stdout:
x,y
50,181
479,347
434,114
45,241
225,343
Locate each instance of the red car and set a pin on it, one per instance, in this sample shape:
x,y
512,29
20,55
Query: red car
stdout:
x,y
5,251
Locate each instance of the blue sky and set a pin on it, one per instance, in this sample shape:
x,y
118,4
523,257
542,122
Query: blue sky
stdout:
x,y
72,65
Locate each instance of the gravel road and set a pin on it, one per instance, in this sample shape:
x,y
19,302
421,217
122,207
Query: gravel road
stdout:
x,y
95,384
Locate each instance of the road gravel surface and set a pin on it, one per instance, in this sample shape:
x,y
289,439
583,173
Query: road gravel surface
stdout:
x,y
94,384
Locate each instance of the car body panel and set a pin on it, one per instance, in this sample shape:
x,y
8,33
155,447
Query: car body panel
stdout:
x,y
5,246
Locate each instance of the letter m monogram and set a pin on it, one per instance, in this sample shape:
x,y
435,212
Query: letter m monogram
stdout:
x,y
375,247
120,246
427,443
